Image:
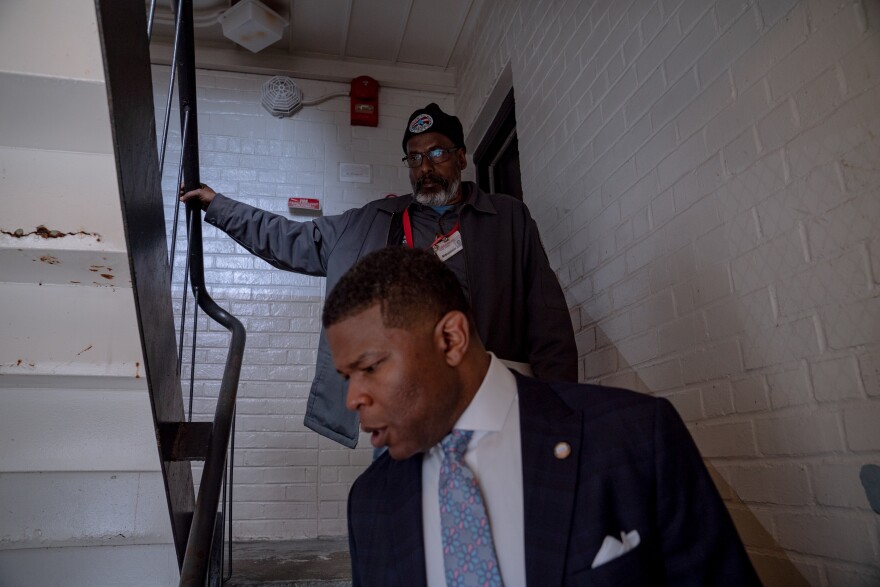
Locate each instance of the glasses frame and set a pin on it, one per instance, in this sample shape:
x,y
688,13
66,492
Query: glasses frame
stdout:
x,y
441,157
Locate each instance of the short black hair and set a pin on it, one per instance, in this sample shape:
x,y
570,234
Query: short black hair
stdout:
x,y
410,285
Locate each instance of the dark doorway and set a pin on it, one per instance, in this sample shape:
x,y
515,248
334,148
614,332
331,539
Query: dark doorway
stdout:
x,y
497,156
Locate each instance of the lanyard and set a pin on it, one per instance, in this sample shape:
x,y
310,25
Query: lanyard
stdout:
x,y
408,234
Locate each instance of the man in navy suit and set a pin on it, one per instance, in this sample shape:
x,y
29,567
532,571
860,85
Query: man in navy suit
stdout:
x,y
580,484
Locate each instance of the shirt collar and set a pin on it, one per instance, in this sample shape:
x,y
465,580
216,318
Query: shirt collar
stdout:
x,y
493,400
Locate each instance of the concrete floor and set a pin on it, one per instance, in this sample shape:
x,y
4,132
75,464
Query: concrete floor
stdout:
x,y
297,563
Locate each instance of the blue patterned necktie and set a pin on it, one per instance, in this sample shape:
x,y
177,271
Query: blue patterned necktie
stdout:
x,y
468,550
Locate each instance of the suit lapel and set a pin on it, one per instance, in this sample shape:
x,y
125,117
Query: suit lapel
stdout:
x,y
549,483
405,521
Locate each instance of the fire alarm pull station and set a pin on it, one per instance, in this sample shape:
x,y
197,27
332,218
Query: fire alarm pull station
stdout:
x,y
364,101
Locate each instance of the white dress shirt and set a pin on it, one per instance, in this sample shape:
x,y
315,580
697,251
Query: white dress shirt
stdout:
x,y
495,458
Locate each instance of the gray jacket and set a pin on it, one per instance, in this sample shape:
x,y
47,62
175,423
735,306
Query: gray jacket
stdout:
x,y
519,309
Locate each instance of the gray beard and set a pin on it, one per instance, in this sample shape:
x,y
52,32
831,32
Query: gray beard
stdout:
x,y
440,198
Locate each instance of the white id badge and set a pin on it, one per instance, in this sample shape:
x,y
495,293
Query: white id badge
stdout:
x,y
449,246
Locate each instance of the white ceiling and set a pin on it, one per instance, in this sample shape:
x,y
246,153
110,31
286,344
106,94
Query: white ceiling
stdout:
x,y
401,43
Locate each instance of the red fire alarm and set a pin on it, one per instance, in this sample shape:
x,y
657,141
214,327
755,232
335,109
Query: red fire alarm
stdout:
x,y
364,101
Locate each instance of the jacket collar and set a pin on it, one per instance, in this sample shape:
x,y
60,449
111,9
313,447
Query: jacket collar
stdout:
x,y
395,205
476,198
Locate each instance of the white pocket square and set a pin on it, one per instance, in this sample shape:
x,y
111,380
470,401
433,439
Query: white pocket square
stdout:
x,y
612,547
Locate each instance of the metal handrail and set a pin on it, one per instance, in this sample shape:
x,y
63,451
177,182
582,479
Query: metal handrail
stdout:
x,y
195,564
198,547
122,25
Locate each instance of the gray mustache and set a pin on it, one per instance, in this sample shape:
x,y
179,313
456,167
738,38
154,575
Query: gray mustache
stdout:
x,y
433,179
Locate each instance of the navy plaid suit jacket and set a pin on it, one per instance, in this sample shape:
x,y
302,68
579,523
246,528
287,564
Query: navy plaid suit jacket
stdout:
x,y
633,466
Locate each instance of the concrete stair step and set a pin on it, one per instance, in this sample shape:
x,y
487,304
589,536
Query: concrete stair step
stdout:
x,y
293,563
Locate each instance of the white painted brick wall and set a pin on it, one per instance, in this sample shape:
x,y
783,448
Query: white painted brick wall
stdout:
x,y
705,176
289,482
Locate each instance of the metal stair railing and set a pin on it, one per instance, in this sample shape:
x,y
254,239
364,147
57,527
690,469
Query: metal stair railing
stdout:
x,y
194,569
206,524
197,525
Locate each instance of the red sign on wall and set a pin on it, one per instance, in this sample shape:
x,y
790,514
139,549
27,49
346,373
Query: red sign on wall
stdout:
x,y
304,203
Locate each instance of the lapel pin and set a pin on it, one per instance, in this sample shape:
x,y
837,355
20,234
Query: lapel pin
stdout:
x,y
562,450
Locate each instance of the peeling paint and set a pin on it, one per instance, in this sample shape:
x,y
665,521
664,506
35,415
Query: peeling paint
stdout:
x,y
44,232
106,276
50,260
137,370
84,350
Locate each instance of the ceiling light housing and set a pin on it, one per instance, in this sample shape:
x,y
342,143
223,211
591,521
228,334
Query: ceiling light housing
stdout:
x,y
252,24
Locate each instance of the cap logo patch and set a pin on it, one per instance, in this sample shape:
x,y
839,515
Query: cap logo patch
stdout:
x,y
421,123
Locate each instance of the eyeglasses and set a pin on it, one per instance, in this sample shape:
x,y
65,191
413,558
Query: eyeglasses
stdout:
x,y
437,155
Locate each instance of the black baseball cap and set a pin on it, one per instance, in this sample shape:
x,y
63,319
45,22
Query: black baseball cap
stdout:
x,y
432,119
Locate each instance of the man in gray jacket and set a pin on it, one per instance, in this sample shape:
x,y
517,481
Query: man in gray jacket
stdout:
x,y
490,242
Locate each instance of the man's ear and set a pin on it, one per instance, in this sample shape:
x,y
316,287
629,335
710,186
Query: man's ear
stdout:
x,y
462,159
452,336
